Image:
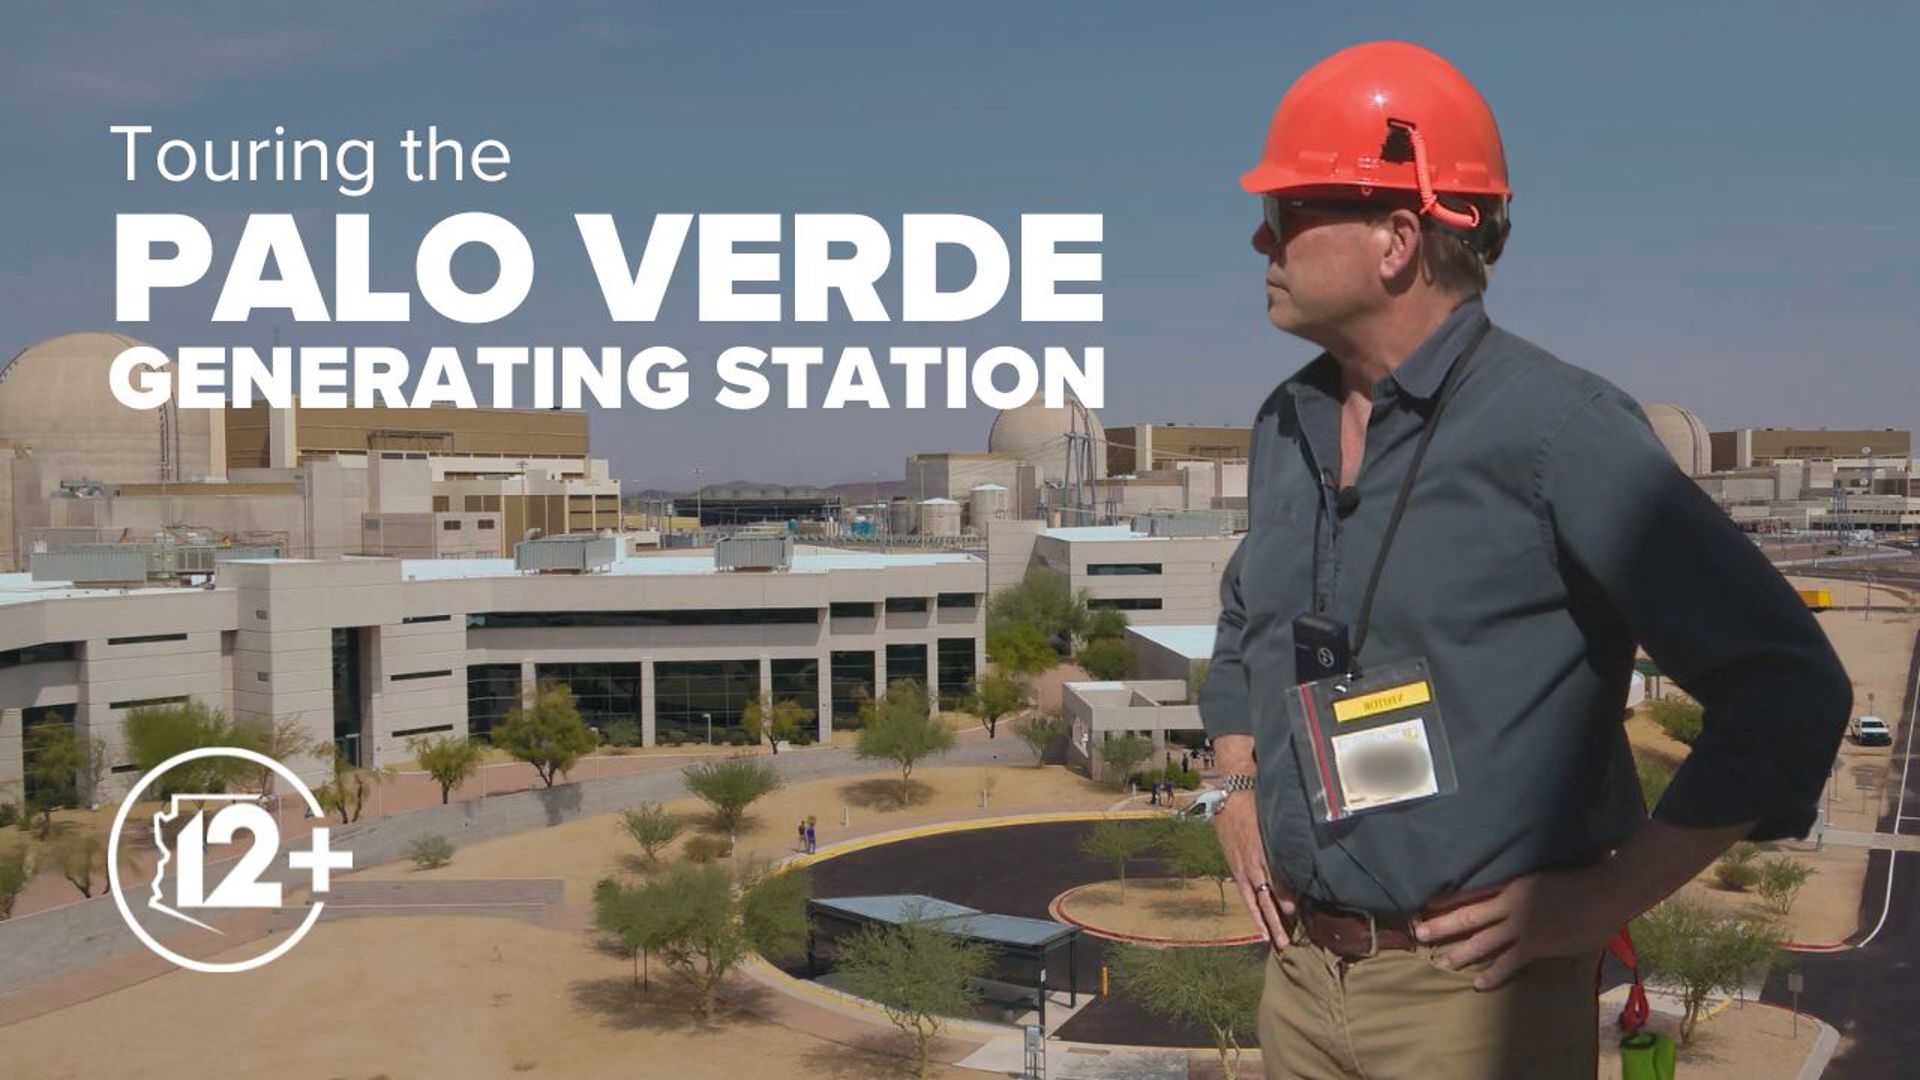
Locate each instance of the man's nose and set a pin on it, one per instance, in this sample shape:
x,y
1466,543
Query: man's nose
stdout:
x,y
1264,242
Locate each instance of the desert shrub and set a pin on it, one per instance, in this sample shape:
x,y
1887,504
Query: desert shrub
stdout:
x,y
1678,717
1736,869
1781,879
1184,779
623,733
431,852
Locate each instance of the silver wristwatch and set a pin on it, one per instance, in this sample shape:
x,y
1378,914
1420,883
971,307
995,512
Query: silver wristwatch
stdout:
x,y
1235,782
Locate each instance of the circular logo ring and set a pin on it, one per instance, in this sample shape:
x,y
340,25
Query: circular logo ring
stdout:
x,y
113,861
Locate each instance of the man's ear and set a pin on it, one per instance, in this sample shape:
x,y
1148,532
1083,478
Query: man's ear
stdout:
x,y
1399,251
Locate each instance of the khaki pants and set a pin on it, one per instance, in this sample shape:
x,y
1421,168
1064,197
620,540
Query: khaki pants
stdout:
x,y
1399,1016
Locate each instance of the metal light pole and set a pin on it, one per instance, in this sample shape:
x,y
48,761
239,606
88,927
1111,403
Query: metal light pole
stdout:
x,y
709,718
698,516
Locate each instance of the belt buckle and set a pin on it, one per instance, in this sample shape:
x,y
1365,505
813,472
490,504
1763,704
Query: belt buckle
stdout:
x,y
1373,937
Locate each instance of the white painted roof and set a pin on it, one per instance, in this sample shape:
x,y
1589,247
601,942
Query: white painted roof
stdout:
x,y
1094,532
804,562
1195,642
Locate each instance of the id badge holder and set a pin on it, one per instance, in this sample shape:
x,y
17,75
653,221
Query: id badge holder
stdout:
x,y
1372,742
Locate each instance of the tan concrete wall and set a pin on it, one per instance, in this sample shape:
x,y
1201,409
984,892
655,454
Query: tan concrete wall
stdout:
x,y
1188,585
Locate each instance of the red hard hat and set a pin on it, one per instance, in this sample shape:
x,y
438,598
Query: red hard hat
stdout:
x,y
1385,115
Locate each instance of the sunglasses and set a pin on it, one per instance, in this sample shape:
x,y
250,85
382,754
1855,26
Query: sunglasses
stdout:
x,y
1281,212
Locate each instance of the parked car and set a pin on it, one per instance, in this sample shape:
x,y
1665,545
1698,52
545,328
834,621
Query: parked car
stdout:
x,y
1205,803
1869,731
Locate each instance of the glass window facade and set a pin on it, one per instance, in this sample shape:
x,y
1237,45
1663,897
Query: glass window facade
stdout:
x,y
519,620
907,662
37,654
602,692
797,680
906,604
852,683
493,690
958,600
1122,569
841,609
956,669
1125,603
687,693
346,692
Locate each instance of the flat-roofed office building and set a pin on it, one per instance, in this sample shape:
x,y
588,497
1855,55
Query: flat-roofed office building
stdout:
x,y
1153,579
365,653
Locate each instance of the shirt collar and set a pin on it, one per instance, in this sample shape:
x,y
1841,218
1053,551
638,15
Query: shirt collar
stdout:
x,y
1421,373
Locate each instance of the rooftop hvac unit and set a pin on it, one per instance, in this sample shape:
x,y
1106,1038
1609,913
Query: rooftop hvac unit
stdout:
x,y
566,554
1183,523
753,553
141,564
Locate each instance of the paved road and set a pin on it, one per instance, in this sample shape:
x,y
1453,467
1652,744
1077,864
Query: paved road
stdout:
x,y
1869,992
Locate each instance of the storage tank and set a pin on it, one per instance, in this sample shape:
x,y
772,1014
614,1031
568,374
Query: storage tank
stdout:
x,y
939,517
900,517
988,502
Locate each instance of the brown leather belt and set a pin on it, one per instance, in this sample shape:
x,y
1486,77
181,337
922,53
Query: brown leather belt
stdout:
x,y
1355,934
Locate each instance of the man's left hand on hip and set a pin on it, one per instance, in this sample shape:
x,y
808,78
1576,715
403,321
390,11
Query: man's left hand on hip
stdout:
x,y
1532,917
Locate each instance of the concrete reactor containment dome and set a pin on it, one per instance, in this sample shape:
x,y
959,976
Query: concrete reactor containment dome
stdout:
x,y
1684,436
1045,437
55,404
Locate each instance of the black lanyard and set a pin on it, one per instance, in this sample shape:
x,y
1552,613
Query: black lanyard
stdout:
x,y
1447,385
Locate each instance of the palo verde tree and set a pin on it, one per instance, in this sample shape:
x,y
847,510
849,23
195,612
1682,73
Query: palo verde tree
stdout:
x,y
1020,649
995,696
550,736
630,916
1192,850
1117,843
1043,601
899,727
730,785
702,920
1106,658
16,869
449,759
919,975
1696,951
282,739
62,768
652,827
1218,989
80,855
780,722
347,792
156,733
1124,753
1040,731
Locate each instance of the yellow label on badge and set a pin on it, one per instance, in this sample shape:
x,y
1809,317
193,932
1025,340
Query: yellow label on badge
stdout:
x,y
1398,697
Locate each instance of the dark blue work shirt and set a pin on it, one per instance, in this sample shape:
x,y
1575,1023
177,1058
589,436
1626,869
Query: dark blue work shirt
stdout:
x,y
1547,533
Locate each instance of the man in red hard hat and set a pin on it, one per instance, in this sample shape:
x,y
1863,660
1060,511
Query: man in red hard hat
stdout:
x,y
1456,543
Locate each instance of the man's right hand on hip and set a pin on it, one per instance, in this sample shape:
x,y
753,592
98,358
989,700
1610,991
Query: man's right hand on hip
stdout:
x,y
1237,824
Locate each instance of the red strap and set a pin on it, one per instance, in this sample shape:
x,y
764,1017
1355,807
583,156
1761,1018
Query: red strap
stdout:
x,y
1633,1015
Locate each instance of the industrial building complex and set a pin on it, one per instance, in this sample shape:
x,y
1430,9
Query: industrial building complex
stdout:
x,y
375,575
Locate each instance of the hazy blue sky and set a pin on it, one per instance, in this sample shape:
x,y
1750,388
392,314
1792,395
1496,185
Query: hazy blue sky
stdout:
x,y
1715,205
